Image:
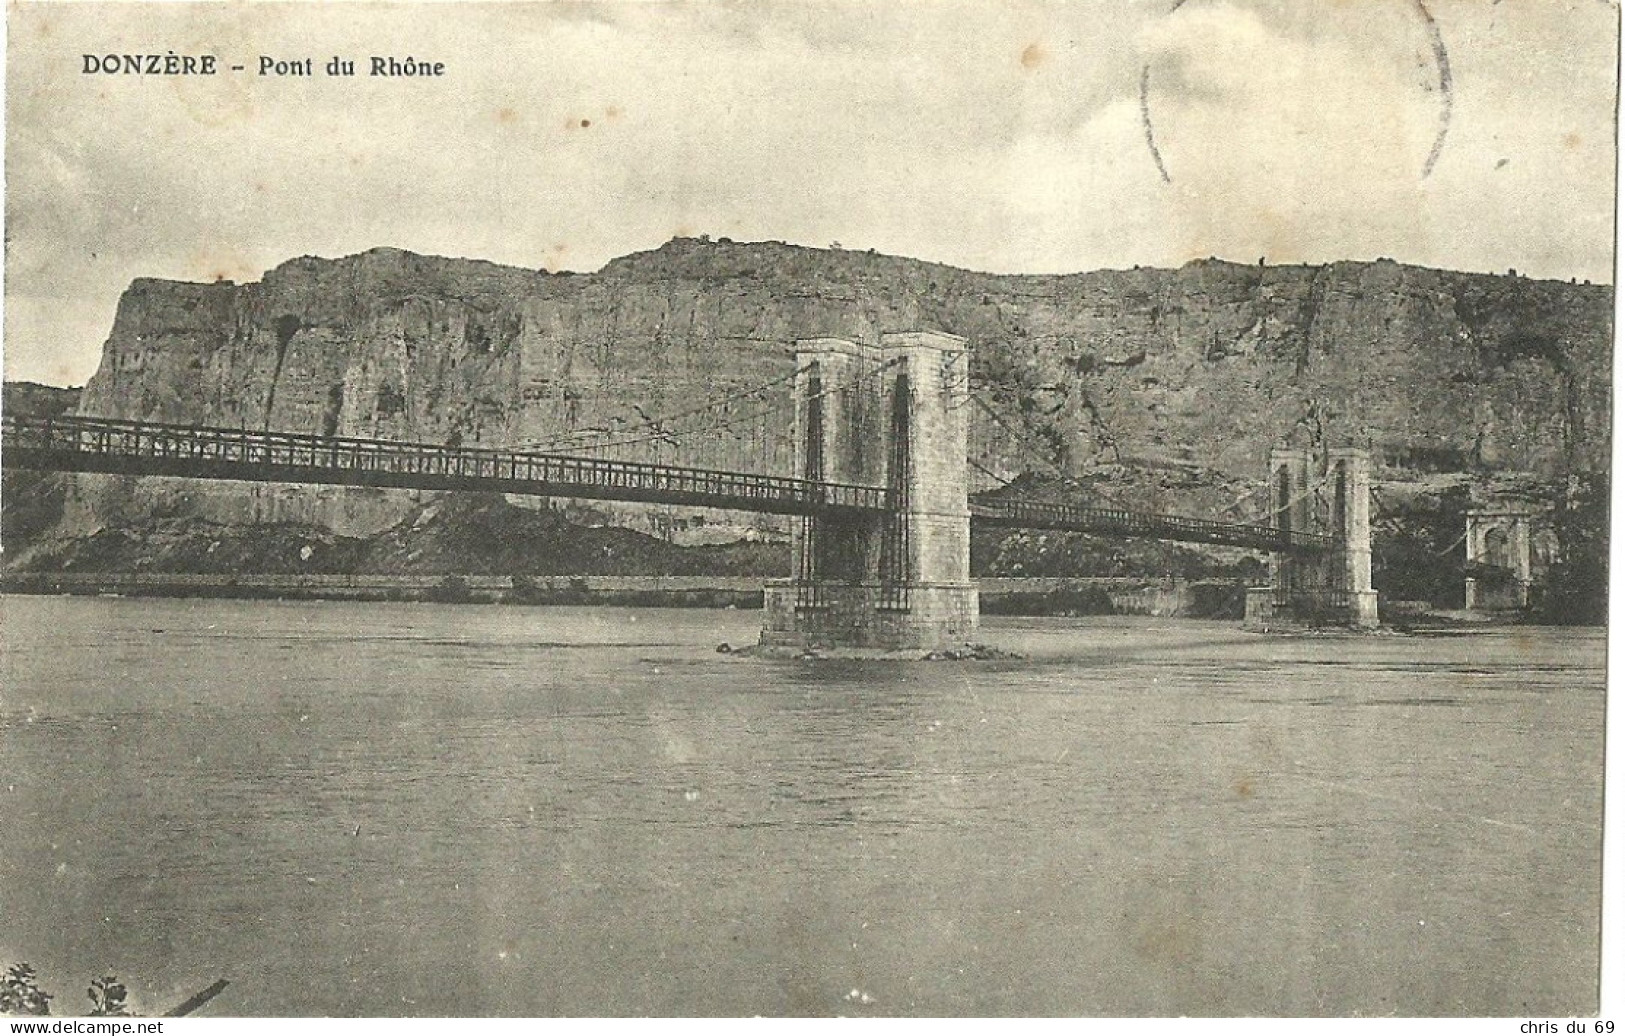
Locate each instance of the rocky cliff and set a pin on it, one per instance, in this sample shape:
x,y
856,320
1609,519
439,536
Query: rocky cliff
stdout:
x,y
32,502
1165,385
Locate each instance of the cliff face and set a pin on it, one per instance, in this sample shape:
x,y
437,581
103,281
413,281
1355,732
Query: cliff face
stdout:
x,y
31,502
1203,367
26,399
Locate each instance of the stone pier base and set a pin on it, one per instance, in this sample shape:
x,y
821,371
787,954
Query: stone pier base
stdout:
x,y
1267,608
1363,609
934,616
1260,608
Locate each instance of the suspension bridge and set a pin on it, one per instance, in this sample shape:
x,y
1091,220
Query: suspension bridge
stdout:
x,y
867,447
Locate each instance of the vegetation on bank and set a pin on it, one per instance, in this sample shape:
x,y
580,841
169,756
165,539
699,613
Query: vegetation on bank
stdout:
x,y
20,994
1576,587
454,535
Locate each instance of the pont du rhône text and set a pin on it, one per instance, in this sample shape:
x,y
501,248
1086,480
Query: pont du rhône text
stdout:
x,y
175,64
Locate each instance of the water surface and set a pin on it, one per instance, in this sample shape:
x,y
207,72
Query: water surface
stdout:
x,y
375,809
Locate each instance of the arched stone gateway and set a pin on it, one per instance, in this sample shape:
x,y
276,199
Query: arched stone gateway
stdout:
x,y
1500,556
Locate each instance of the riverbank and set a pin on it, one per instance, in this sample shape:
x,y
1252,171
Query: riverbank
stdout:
x,y
1038,596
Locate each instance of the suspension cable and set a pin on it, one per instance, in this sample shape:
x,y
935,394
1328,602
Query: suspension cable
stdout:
x,y
674,438
652,422
1000,479
1019,438
1234,504
1453,546
1059,472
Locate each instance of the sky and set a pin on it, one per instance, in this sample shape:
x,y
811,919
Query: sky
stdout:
x,y
1016,136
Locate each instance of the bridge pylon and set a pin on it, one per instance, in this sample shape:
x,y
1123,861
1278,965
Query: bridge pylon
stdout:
x,y
890,414
1315,585
1500,555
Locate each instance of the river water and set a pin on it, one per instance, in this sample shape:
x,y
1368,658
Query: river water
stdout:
x,y
375,809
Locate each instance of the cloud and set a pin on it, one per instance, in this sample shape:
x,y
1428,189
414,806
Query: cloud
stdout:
x,y
1000,137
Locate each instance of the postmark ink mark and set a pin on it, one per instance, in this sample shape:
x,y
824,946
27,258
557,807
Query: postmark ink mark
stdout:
x,y
1441,58
1446,90
1145,120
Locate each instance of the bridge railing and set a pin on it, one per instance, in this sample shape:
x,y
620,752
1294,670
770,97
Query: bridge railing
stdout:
x,y
75,443
213,451
1043,514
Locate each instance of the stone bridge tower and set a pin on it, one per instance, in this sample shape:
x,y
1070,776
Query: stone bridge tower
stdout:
x,y
890,415
1330,583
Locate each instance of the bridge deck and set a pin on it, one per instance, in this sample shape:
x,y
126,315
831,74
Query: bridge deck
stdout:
x,y
1062,517
93,444
136,448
